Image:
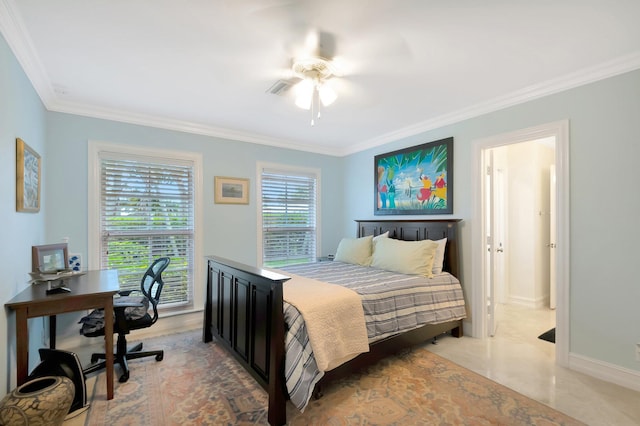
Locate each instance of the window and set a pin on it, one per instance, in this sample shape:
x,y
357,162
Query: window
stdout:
x,y
146,210
289,215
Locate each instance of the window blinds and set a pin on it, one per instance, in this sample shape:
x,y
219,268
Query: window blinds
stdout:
x,y
147,211
288,217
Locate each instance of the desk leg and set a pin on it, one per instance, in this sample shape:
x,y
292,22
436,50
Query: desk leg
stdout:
x,y
52,331
22,346
108,344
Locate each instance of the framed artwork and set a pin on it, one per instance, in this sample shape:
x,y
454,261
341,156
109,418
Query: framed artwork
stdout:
x,y
228,190
416,180
27,178
49,258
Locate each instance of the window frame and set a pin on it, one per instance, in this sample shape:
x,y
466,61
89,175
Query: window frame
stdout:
x,y
95,151
285,168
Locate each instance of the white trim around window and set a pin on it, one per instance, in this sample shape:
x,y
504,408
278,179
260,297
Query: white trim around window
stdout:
x,y
294,170
95,150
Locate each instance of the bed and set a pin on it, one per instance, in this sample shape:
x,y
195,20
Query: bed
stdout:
x,y
245,311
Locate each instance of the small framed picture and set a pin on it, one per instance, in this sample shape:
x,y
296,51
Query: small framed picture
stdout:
x,y
228,190
27,178
49,258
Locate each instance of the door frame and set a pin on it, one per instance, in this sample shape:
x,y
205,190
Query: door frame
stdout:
x,y
559,130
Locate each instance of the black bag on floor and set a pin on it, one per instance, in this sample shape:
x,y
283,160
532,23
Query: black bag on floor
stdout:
x,y
56,362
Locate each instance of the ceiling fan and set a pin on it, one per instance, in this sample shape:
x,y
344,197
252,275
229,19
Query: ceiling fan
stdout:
x,y
311,73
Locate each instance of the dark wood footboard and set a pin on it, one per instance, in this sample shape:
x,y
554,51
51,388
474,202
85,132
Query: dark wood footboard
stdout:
x,y
243,310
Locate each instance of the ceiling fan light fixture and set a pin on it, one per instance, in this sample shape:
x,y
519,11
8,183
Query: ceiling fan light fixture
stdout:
x,y
304,93
313,91
327,94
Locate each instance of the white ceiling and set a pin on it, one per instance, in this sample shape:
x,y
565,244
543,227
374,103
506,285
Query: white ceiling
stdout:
x,y
204,66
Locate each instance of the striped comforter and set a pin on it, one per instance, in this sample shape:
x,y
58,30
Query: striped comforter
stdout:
x,y
392,302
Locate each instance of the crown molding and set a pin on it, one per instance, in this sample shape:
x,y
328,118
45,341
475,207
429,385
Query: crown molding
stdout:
x,y
602,71
184,126
17,37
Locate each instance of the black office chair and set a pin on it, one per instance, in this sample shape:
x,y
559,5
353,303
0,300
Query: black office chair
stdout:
x,y
131,313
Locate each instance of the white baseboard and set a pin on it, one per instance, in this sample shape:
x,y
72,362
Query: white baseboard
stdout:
x,y
542,302
467,328
621,376
167,324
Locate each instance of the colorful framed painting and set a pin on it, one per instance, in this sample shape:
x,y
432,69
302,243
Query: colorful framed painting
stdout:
x,y
229,190
27,178
415,181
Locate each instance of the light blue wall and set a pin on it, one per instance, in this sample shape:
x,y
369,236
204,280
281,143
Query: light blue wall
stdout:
x,y
604,197
22,115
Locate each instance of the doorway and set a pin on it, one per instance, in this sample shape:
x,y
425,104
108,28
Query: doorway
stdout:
x,y
509,219
518,191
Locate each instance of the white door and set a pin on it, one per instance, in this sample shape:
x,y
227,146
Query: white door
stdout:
x,y
552,236
495,207
499,232
489,238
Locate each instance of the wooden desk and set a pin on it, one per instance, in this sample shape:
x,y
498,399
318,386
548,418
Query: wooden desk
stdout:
x,y
92,290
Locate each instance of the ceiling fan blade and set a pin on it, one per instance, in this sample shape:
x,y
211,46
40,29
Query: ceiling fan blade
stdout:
x,y
321,44
378,54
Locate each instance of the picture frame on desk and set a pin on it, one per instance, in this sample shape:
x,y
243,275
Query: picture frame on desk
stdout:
x,y
49,258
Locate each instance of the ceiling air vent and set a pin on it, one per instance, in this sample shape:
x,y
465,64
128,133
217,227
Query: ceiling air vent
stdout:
x,y
281,86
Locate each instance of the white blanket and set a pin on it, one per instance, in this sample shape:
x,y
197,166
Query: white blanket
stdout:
x,y
334,319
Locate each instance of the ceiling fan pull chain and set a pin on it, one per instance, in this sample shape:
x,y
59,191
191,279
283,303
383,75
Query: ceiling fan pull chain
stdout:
x,y
316,98
315,104
312,109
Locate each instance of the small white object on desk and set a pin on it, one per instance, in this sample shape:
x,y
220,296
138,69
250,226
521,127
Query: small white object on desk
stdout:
x,y
54,280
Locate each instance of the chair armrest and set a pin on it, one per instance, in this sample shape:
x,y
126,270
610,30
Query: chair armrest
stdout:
x,y
121,306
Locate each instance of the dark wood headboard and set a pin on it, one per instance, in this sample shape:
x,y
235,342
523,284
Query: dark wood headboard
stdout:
x,y
418,230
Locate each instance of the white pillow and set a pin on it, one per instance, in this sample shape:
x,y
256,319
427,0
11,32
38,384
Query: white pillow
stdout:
x,y
438,259
376,238
355,250
405,257
385,235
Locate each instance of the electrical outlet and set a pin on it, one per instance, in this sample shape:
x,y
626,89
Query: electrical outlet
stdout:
x,y
637,351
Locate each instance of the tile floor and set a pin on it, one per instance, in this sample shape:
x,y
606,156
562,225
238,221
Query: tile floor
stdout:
x,y
516,358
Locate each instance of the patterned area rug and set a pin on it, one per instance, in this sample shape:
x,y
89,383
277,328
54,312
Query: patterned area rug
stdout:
x,y
199,384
